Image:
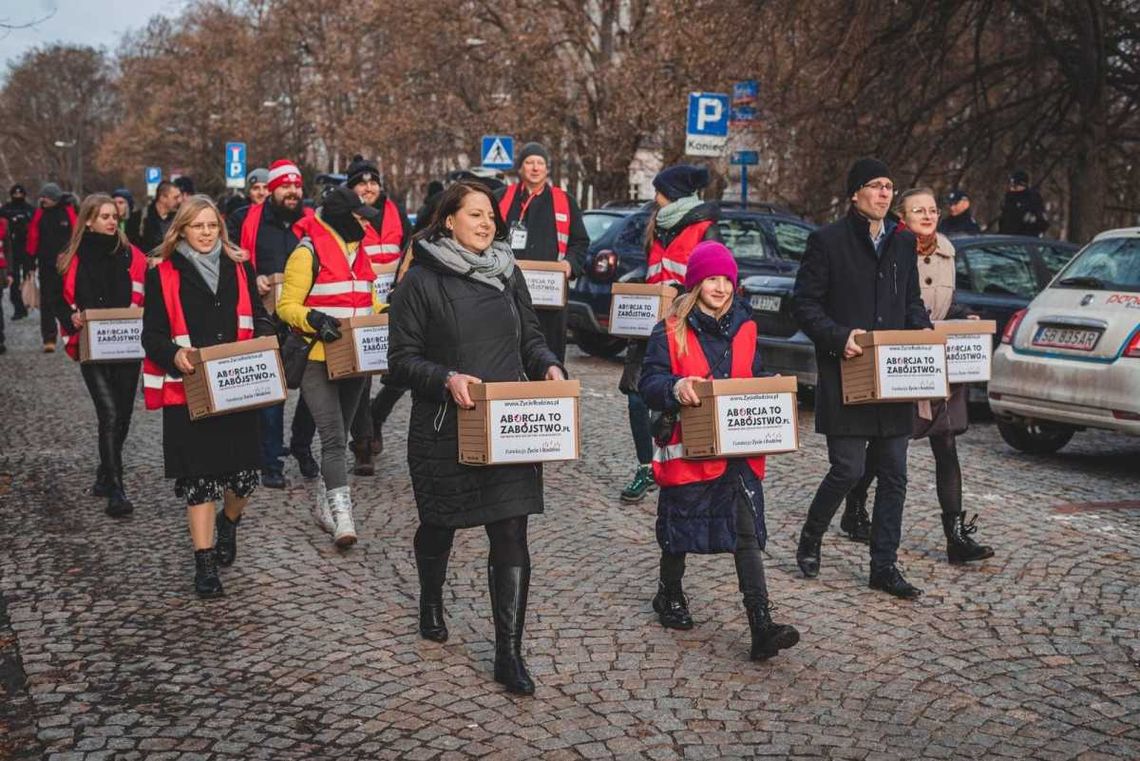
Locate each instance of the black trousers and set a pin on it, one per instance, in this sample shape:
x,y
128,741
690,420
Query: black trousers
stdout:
x,y
112,386
51,291
848,455
16,269
748,558
303,428
947,473
508,541
553,324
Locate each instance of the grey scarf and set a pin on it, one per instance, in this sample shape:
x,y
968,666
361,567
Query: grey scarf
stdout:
x,y
208,265
493,267
670,214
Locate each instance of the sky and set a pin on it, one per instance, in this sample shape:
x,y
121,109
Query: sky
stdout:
x,y
99,23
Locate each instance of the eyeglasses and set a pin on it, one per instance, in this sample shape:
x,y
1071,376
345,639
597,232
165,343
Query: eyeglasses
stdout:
x,y
202,227
925,212
880,186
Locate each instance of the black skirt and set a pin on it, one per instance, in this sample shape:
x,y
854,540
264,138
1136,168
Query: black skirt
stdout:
x,y
212,446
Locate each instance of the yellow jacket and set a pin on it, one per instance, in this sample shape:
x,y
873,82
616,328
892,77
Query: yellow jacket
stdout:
x,y
298,280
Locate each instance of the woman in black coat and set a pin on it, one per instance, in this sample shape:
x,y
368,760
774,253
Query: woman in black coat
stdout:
x,y
213,459
102,270
463,315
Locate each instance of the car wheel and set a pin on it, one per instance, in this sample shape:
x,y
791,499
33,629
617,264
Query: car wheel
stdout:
x,y
600,344
1035,438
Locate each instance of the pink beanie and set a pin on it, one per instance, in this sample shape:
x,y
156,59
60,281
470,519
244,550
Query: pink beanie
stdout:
x,y
709,259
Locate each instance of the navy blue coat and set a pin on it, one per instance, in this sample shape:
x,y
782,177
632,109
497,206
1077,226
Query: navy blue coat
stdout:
x,y
701,517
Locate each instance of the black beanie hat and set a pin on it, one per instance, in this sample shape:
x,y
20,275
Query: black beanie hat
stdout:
x,y
533,149
17,188
360,171
681,180
863,171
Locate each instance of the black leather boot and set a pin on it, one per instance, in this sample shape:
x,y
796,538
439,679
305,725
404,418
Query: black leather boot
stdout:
x,y
306,463
855,521
102,486
768,638
362,454
509,586
672,606
960,546
891,581
807,553
432,571
118,506
206,581
226,545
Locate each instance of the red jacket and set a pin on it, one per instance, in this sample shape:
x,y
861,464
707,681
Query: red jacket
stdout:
x,y
34,228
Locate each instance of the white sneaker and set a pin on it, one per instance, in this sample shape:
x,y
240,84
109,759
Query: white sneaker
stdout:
x,y
320,509
340,505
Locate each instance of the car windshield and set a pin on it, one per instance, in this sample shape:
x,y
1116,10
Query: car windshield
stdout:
x,y
597,223
1002,270
744,237
791,239
1111,264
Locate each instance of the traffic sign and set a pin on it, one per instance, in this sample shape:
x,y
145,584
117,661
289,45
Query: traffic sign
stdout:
x,y
498,152
745,158
743,114
235,165
153,177
706,129
745,92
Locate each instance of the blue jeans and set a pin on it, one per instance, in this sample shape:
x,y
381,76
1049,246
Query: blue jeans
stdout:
x,y
272,438
640,428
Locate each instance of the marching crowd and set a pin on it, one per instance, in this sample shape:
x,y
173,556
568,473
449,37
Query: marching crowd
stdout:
x,y
460,314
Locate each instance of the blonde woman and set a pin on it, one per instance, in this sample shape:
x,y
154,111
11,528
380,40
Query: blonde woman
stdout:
x,y
707,506
203,292
102,270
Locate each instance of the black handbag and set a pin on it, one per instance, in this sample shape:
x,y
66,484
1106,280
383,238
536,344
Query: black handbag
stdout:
x,y
295,350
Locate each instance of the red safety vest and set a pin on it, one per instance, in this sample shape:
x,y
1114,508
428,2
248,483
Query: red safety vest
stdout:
x,y
339,290
669,466
668,264
252,224
561,213
384,247
162,390
137,270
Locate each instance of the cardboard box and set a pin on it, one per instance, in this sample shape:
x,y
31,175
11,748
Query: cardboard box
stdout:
x,y
969,349
521,422
636,307
362,348
546,282
244,375
273,295
896,366
385,279
742,417
111,335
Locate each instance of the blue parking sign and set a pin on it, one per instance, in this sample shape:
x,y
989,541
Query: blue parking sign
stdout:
x,y
708,114
235,165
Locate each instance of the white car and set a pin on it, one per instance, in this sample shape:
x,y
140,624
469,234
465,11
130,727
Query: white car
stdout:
x,y
1071,359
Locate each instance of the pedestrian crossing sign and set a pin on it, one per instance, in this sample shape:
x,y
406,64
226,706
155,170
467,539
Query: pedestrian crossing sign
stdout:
x,y
498,152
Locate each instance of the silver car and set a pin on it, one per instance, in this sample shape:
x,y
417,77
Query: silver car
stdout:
x,y
1071,359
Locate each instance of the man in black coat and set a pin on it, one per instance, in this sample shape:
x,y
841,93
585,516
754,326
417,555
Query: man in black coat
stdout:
x,y
859,274
1022,210
534,236
960,220
156,218
19,213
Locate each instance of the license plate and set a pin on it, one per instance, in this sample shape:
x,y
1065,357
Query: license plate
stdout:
x,y
766,303
1079,339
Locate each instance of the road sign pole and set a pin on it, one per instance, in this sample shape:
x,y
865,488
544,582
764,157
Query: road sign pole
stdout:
x,y
744,185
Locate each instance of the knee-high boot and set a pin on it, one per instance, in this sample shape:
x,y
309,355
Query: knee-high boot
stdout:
x,y
509,587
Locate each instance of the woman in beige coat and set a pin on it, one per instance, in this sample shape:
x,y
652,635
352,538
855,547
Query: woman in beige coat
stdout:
x,y
938,421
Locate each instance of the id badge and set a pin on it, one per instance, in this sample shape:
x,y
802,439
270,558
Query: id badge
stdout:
x,y
518,237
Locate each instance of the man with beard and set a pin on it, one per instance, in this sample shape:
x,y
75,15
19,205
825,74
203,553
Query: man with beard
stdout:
x,y
155,221
265,230
18,214
48,234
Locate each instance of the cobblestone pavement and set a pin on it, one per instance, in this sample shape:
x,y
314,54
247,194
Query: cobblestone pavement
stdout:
x,y
314,654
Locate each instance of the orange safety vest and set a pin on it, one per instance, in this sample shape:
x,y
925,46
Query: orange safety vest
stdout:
x,y
137,271
669,466
561,213
339,290
251,225
162,390
383,247
667,264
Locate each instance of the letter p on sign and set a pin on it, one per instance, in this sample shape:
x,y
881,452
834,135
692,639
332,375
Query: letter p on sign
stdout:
x,y
710,112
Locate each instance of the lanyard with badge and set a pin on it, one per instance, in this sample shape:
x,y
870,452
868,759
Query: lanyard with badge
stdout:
x,y
518,229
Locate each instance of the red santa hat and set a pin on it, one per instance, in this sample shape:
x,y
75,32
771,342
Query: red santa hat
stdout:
x,y
283,172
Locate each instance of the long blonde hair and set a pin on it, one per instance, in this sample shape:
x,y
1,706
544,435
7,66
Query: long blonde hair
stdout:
x,y
680,309
88,211
190,208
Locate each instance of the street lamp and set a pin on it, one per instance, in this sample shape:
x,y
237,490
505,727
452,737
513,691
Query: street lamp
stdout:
x,y
76,168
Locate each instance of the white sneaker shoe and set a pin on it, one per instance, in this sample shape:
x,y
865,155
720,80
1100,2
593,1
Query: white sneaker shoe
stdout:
x,y
320,509
340,505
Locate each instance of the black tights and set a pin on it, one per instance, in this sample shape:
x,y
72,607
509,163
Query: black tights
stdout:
x,y
749,560
947,473
508,541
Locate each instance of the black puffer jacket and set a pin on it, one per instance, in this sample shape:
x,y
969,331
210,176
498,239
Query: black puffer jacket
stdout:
x,y
443,321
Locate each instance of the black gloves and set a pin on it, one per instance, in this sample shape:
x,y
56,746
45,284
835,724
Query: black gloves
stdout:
x,y
327,327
